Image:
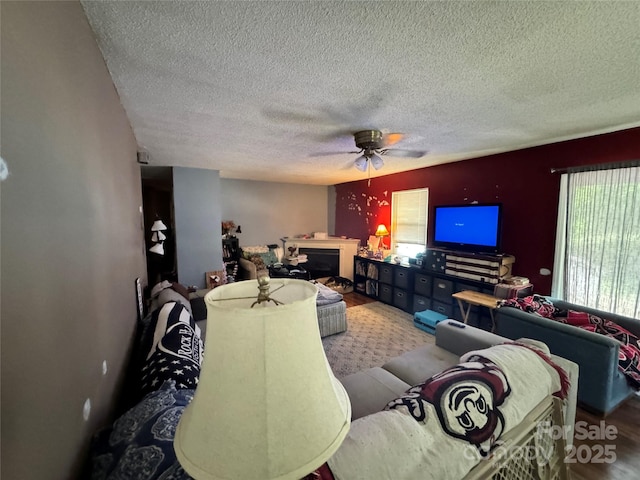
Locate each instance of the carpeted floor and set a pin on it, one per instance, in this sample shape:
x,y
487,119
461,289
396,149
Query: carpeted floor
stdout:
x,y
375,333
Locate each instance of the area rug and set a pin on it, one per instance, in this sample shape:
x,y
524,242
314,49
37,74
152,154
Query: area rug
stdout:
x,y
376,333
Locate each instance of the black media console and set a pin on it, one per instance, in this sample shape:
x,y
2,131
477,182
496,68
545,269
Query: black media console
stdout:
x,y
415,288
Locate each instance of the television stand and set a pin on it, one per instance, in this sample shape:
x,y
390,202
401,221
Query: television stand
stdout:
x,y
481,267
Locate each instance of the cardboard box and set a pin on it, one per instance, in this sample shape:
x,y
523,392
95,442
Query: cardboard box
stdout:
x,y
216,278
506,291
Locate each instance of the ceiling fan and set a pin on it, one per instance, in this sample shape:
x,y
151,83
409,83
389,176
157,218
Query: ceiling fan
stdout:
x,y
372,144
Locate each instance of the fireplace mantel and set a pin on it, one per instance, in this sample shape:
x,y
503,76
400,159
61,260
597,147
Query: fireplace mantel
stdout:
x,y
348,249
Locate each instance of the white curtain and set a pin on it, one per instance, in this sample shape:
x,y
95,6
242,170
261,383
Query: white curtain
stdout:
x,y
597,260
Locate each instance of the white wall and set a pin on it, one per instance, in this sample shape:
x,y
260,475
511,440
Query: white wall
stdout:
x,y
72,239
268,211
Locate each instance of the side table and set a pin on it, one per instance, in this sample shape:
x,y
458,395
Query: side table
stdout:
x,y
467,298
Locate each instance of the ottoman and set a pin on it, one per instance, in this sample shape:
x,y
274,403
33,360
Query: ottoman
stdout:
x,y
332,318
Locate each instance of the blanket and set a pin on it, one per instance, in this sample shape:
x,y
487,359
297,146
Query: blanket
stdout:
x,y
444,426
139,445
629,354
175,352
326,295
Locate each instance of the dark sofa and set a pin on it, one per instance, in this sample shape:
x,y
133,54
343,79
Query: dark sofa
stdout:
x,y
601,385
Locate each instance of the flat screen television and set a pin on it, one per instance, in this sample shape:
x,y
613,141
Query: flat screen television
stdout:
x,y
469,228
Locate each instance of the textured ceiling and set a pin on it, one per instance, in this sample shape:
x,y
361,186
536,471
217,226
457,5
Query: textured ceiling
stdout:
x,y
263,90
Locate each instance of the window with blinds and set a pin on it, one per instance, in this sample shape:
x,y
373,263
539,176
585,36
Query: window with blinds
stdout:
x,y
597,262
409,221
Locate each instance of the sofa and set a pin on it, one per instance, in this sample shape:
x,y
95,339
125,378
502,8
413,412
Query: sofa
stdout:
x,y
254,259
396,434
139,444
371,390
602,386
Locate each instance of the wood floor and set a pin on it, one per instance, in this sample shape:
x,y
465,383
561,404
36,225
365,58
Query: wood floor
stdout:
x,y
355,299
587,461
625,447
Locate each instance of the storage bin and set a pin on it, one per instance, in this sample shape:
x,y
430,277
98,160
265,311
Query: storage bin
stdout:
x,y
401,299
421,303
428,320
442,289
422,285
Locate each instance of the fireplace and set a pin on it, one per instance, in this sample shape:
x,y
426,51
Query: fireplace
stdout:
x,y
341,250
321,262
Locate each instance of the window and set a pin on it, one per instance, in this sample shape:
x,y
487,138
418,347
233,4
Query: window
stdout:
x,y
409,221
597,260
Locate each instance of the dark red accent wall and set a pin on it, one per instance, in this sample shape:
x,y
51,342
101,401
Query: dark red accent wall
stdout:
x,y
521,180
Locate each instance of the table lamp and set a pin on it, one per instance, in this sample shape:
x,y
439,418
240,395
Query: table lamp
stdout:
x,y
381,232
267,404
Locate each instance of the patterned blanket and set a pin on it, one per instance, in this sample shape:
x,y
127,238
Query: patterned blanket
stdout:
x,y
443,427
139,444
629,356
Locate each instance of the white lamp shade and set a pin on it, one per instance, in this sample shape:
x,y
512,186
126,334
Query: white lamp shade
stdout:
x,y
361,163
376,162
158,226
157,248
158,237
267,404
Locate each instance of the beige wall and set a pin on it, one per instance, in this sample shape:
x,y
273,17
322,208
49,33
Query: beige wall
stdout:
x,y
72,242
268,211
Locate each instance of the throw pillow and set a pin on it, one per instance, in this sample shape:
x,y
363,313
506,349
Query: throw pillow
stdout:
x,y
258,262
578,318
247,252
158,287
181,289
170,295
266,254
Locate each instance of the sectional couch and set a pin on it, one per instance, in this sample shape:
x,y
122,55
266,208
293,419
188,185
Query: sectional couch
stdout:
x,y
602,385
387,444
140,443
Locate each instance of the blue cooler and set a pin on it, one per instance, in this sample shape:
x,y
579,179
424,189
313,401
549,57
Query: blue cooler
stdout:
x,y
427,320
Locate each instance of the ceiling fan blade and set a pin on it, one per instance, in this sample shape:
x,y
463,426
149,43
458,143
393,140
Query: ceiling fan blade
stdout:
x,y
326,154
395,152
389,139
301,116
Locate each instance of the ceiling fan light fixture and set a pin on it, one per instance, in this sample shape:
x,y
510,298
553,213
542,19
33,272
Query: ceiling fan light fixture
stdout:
x,y
361,163
376,162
